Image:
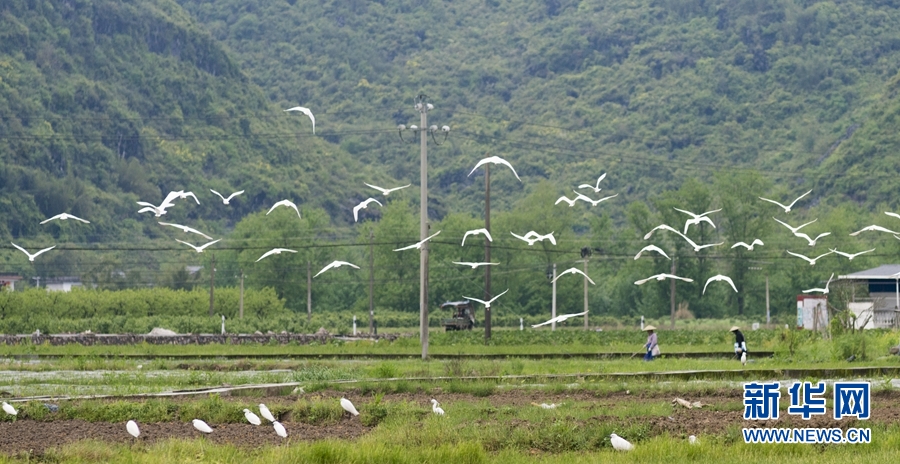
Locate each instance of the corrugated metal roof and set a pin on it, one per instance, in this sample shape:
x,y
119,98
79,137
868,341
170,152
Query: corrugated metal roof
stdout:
x,y
885,271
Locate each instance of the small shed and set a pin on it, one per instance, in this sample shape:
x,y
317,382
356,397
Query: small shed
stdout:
x,y
8,282
880,308
62,284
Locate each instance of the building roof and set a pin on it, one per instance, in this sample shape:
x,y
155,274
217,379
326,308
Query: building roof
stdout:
x,y
885,271
10,278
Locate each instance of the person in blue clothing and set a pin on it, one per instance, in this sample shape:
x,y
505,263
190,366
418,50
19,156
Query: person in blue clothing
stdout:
x,y
652,346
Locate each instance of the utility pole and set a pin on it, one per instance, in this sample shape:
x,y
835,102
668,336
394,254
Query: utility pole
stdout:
x,y
553,305
585,295
672,294
487,250
212,280
371,283
241,301
768,319
308,292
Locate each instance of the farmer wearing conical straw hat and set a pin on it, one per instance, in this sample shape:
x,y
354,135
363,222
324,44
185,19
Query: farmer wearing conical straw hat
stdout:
x,y
651,345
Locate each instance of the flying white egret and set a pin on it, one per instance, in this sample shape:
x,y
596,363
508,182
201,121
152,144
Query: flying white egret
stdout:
x,y
385,191
651,248
264,410
743,358
619,443
811,241
473,265
697,218
275,251
812,261
660,277
435,408
476,232
63,217
334,265
362,205
755,242
573,270
202,426
133,429
787,209
288,203
200,248
794,230
307,112
182,194
560,319
596,188
32,256
662,227
892,214
252,418
224,199
850,256
495,160
594,202
717,278
418,245
566,199
279,429
873,228
487,304
166,203
531,237
9,409
348,406
152,209
823,291
186,229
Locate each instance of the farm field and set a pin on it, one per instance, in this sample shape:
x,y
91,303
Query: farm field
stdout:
x,y
492,406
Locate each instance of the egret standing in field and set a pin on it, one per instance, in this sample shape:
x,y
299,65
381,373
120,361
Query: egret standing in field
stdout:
x,y
619,443
132,428
9,409
202,426
252,418
279,429
435,408
348,406
266,413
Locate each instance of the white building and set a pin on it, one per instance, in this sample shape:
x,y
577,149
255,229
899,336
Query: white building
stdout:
x,y
61,284
880,308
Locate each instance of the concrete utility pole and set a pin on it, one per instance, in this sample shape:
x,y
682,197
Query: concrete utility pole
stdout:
x,y
672,294
487,250
308,292
241,301
371,283
553,305
585,295
212,281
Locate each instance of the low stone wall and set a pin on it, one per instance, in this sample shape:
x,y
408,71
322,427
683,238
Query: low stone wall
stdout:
x,y
183,339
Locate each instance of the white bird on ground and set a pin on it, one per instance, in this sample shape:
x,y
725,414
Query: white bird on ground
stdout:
x,y
812,241
476,232
531,237
361,206
546,406
224,199
32,256
435,408
651,248
348,406
186,229
279,429
199,249
307,112
697,218
850,256
275,251
823,291
385,191
812,261
662,227
252,418
755,242
495,160
787,209
566,199
594,202
202,426
336,264
264,410
692,440
620,444
487,304
560,319
743,358
875,228
794,230
418,245
63,217
9,409
473,265
573,270
596,188
660,277
133,429
288,203
719,277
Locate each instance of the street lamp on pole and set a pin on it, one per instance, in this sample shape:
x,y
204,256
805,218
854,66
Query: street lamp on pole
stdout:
x,y
423,107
